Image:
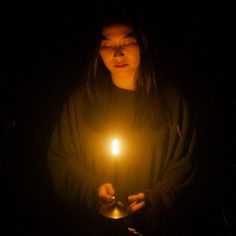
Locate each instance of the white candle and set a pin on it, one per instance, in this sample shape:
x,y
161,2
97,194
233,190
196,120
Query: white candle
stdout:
x,y
115,147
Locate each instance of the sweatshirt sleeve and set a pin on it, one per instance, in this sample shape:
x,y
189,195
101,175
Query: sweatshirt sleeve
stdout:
x,y
180,165
72,183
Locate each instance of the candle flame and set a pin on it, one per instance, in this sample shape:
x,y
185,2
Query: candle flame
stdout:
x,y
115,147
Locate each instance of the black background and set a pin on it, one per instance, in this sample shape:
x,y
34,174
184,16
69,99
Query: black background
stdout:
x,y
44,50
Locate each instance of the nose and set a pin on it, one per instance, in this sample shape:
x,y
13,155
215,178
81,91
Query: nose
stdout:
x,y
118,52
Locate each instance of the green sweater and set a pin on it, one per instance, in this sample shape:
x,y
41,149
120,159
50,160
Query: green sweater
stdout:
x,y
157,161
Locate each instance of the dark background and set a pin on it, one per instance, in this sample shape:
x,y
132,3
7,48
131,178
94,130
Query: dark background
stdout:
x,y
44,50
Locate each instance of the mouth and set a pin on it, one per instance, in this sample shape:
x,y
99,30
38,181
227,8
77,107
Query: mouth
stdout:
x,y
120,65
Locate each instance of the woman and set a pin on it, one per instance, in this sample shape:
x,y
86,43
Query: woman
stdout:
x,y
122,99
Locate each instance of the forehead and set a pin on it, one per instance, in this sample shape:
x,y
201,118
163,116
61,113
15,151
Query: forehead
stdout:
x,y
117,31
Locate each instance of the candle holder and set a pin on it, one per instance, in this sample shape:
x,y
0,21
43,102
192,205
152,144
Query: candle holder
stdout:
x,y
114,210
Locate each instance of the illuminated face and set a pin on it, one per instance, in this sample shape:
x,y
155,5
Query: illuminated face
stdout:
x,y
119,50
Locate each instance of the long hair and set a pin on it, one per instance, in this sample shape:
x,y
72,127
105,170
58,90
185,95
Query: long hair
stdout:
x,y
98,78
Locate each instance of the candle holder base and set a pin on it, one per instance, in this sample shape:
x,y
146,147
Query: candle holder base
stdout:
x,y
114,210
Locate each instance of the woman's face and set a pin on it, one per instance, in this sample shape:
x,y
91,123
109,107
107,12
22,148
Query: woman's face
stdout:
x,y
119,50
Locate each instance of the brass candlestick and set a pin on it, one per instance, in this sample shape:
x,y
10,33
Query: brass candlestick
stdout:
x,y
114,210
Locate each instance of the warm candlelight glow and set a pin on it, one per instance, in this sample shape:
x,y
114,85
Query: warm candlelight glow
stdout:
x,y
115,147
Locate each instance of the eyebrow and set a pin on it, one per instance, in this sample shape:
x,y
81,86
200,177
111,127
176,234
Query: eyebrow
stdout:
x,y
129,35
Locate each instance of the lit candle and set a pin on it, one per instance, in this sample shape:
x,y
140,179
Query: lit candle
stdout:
x,y
115,147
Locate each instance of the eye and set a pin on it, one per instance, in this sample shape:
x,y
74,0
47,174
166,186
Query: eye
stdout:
x,y
125,44
129,44
104,46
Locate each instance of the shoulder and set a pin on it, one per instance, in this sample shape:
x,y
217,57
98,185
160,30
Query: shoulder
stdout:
x,y
77,96
175,104
171,95
77,92
74,103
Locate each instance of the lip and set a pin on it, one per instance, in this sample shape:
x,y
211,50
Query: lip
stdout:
x,y
120,65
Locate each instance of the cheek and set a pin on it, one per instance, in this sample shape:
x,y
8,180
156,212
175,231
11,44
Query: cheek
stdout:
x,y
106,57
136,58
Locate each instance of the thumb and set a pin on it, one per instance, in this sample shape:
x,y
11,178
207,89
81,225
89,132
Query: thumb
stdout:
x,y
110,189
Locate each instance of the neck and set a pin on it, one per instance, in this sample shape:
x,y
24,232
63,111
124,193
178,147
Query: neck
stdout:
x,y
127,82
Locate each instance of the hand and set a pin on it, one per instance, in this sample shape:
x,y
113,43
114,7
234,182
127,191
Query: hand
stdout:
x,y
106,193
136,202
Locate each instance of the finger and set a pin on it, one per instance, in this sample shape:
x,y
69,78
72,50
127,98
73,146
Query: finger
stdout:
x,y
110,189
108,192
102,193
136,197
135,206
132,204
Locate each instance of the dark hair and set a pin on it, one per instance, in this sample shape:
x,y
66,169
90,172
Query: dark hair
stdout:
x,y
98,78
